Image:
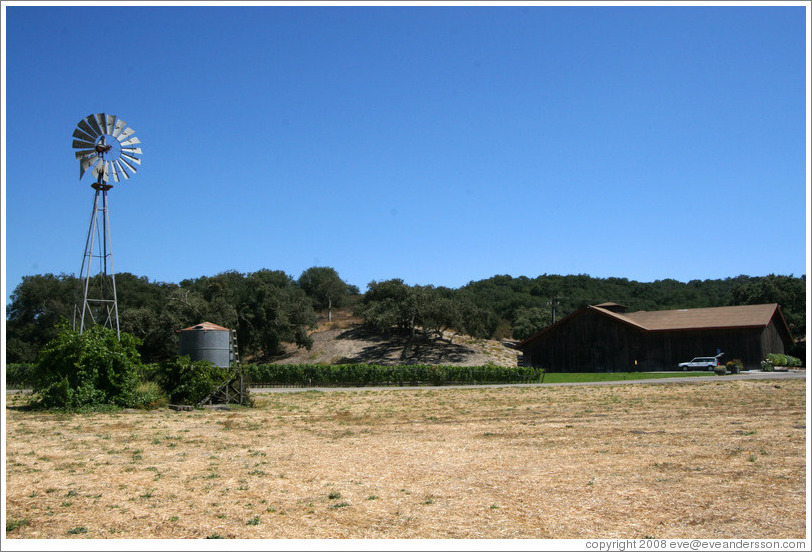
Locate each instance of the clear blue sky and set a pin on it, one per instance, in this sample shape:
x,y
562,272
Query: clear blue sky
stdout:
x,y
435,144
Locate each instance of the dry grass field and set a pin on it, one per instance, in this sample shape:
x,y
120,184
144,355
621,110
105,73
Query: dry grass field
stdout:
x,y
690,460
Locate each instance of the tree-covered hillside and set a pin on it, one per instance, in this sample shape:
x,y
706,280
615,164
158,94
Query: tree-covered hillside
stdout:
x,y
269,308
518,300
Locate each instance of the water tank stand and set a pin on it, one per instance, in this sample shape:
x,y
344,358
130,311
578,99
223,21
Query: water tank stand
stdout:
x,y
231,392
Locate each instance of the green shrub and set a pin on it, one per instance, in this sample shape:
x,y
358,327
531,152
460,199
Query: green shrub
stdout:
x,y
19,375
150,395
720,370
767,366
793,362
152,371
86,370
778,359
735,366
189,382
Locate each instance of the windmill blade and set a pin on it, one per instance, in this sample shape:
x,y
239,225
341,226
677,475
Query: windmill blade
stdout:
x,y
83,136
83,144
106,170
110,120
121,169
129,157
94,124
100,118
126,134
86,163
84,153
88,129
114,172
131,141
118,127
132,150
127,164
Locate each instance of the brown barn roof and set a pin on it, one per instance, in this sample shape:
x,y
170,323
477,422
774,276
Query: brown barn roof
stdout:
x,y
620,316
744,316
614,307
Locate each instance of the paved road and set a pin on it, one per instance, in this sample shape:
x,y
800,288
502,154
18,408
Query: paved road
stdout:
x,y
683,380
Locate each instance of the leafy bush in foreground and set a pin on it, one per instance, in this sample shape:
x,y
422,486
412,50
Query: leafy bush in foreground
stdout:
x,y
90,369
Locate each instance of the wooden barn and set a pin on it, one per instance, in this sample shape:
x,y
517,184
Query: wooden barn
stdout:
x,y
606,338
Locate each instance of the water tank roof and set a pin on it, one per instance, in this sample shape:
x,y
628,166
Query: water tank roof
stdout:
x,y
205,326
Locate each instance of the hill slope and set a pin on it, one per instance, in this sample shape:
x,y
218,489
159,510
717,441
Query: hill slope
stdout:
x,y
345,340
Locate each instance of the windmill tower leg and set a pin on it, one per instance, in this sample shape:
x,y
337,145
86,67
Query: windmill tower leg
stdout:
x,y
99,303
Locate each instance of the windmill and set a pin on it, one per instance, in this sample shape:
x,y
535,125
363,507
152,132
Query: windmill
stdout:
x,y
107,145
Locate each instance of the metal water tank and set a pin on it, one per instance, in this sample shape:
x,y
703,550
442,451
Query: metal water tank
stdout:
x,y
207,341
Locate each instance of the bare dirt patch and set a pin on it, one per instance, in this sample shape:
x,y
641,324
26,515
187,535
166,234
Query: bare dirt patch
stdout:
x,y
695,460
345,340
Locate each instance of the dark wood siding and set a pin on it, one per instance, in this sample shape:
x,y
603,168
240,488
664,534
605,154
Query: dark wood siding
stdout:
x,y
670,348
589,341
771,340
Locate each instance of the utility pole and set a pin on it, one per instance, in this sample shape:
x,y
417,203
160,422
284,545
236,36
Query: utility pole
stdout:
x,y
552,302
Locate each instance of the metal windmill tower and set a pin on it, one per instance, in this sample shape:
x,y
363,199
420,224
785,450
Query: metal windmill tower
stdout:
x,y
105,143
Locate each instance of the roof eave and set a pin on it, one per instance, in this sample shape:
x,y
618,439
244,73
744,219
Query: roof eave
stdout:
x,y
707,328
619,317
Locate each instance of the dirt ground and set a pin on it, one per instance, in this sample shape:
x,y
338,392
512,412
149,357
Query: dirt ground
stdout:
x,y
686,460
344,340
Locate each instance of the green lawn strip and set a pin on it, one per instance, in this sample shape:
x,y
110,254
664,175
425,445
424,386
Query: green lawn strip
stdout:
x,y
585,377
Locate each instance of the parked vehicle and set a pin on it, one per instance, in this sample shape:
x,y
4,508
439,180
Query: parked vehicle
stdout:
x,y
700,363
